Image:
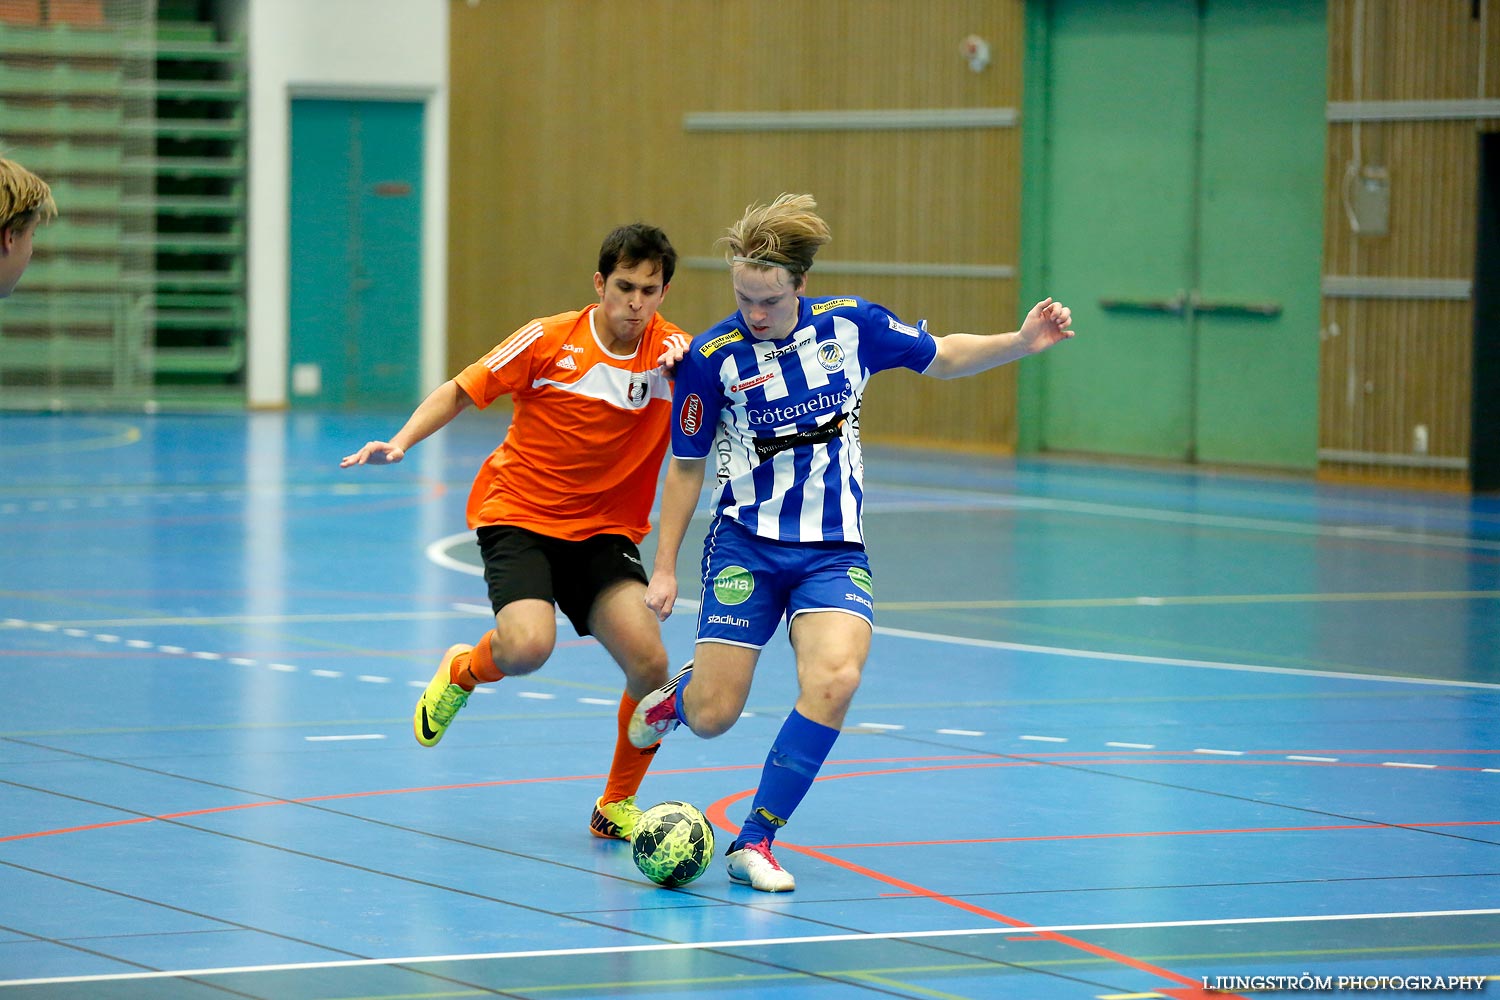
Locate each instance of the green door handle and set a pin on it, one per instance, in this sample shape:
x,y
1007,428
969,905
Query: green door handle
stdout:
x,y
1175,306
1185,302
1267,309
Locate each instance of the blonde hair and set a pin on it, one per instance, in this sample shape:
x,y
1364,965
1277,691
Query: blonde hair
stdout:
x,y
787,234
24,197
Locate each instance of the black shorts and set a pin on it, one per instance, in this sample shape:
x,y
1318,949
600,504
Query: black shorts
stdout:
x,y
520,564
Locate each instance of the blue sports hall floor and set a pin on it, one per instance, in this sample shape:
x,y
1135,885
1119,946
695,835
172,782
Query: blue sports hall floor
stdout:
x,y
1125,733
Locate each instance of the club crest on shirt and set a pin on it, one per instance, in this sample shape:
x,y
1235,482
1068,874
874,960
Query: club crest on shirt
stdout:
x,y
831,355
640,386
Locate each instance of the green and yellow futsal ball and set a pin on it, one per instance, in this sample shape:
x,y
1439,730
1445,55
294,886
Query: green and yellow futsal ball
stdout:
x,y
673,843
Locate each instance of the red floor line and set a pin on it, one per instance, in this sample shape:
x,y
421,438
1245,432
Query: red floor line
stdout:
x,y
131,821
717,814
709,770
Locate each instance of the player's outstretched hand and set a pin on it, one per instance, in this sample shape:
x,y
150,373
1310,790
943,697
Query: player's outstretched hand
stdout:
x,y
374,453
675,347
661,595
1046,324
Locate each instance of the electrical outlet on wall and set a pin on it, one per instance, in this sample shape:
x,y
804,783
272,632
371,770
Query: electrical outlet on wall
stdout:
x,y
307,379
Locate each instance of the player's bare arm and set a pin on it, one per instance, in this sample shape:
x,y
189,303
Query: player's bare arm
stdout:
x,y
431,415
961,354
679,498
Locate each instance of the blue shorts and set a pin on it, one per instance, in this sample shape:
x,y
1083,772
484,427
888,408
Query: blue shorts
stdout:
x,y
750,583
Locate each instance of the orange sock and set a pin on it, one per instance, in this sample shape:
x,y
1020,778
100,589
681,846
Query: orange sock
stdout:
x,y
628,769
475,667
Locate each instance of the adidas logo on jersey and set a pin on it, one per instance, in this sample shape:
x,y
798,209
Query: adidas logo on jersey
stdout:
x,y
568,363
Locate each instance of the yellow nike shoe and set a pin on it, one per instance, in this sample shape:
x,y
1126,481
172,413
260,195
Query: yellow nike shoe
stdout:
x,y
440,702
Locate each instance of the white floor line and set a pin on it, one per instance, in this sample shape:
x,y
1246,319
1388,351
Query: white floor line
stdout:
x,y
341,739
1169,661
437,552
1356,531
632,949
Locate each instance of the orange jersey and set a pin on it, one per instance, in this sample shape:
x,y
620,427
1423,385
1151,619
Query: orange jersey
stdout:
x,y
588,435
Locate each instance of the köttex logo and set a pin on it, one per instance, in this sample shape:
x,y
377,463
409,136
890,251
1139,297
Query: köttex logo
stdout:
x,y
690,417
734,585
861,579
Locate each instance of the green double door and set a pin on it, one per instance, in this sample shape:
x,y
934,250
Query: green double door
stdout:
x,y
1183,224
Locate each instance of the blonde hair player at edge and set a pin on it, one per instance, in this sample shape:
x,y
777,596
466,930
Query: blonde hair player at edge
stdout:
x,y
773,392
25,203
561,505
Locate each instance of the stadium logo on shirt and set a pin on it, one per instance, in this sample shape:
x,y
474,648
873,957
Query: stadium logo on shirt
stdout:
x,y
639,385
720,341
734,585
831,355
777,352
690,417
819,308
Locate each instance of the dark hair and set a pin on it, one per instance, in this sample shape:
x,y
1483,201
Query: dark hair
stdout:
x,y
635,244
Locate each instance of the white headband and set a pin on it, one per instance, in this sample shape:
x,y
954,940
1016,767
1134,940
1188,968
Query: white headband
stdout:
x,y
763,263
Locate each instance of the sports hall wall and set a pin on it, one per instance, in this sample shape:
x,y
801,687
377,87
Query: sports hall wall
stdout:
x,y
1411,87
568,117
353,49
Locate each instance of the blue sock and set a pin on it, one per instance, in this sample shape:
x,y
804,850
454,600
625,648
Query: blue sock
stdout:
x,y
794,761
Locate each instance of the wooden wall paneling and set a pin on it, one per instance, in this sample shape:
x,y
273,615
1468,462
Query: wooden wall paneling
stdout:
x,y
567,118
1490,55
1412,51
1388,366
1391,364
977,412
1432,166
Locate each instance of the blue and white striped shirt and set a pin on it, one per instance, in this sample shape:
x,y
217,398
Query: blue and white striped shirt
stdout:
x,y
781,417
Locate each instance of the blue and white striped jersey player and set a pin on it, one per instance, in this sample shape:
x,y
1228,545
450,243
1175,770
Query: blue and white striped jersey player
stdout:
x,y
771,395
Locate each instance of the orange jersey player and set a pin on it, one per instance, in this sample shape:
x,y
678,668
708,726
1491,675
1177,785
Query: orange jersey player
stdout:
x,y
589,433
560,507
